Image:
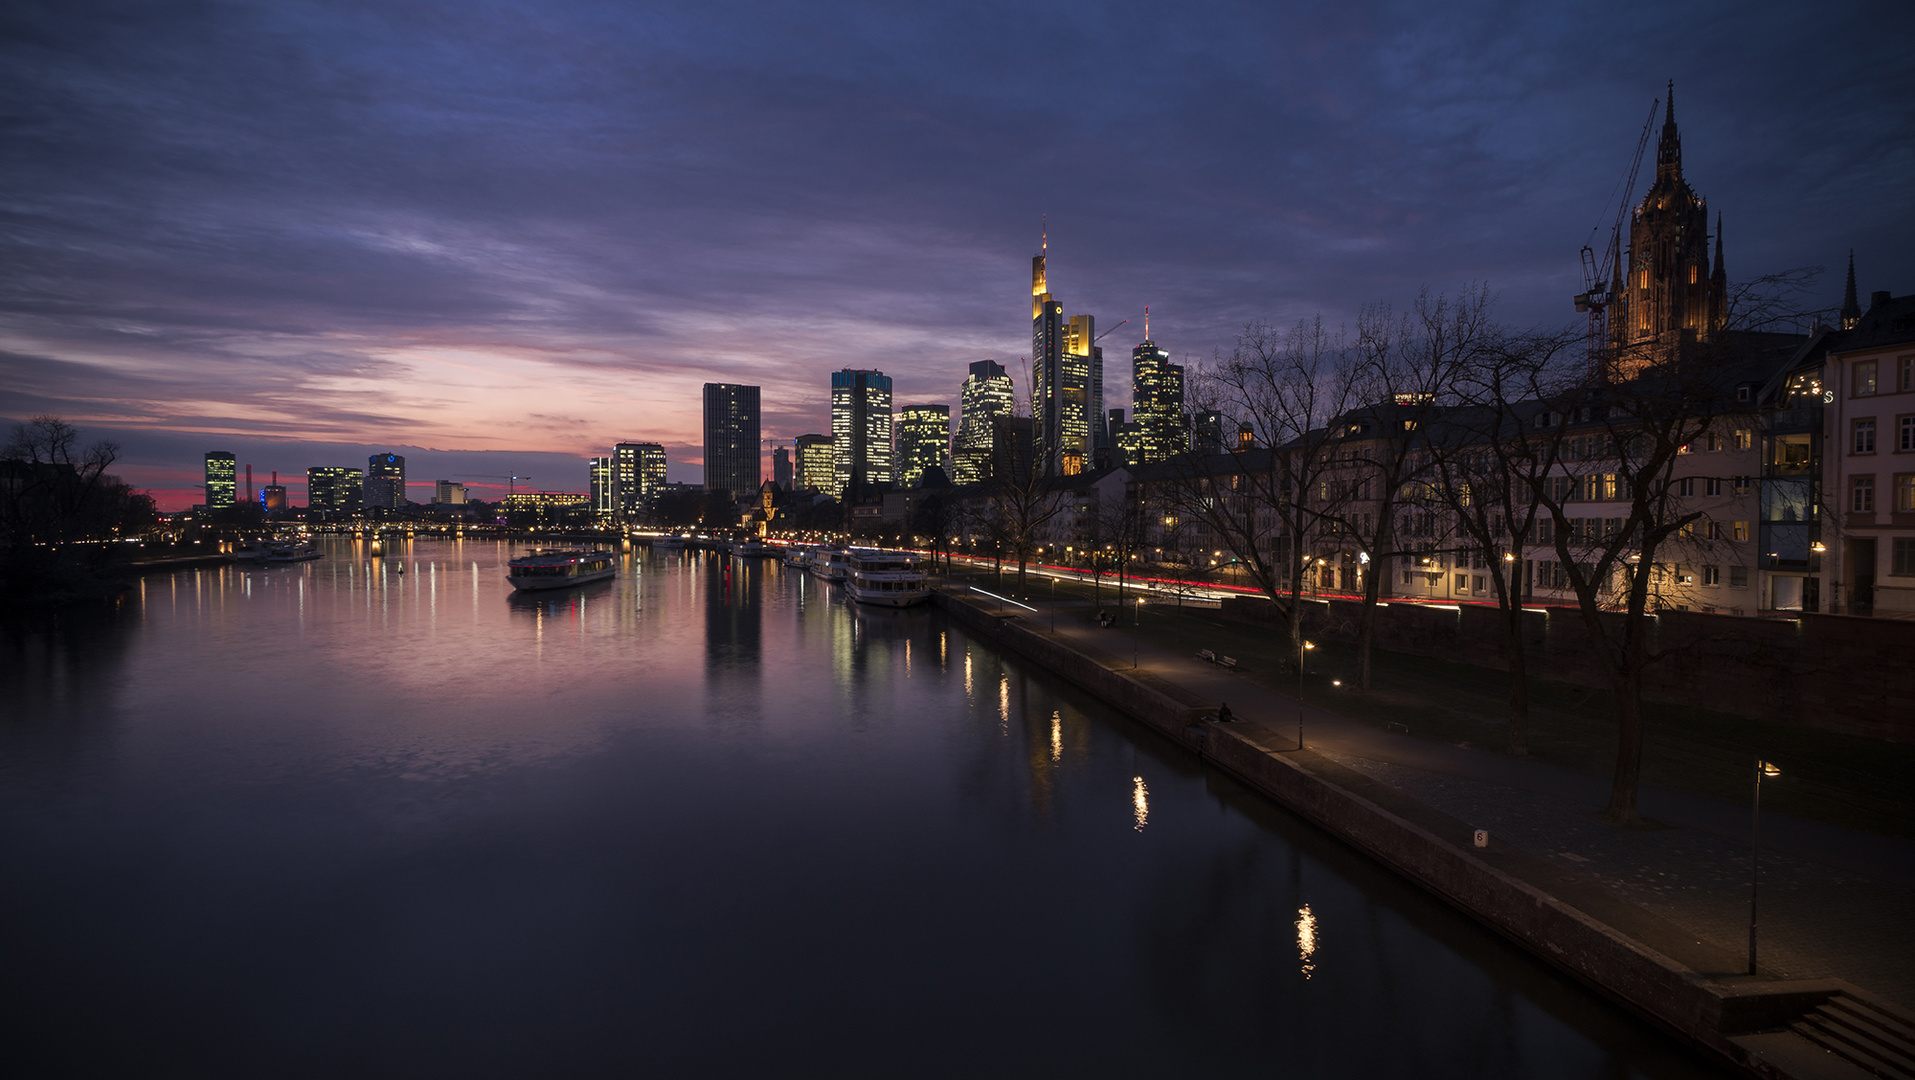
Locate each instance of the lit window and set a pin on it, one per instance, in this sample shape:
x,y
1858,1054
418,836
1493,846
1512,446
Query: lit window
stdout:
x,y
1865,378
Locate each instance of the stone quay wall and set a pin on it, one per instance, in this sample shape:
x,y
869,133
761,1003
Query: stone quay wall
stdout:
x,y
1708,1014
1836,672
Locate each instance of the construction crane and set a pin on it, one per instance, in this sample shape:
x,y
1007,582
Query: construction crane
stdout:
x,y
1595,298
511,482
1107,333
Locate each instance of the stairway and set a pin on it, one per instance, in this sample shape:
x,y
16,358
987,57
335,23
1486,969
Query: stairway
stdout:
x,y
1877,1038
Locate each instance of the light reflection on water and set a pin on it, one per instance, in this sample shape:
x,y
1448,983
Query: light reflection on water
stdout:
x,y
692,821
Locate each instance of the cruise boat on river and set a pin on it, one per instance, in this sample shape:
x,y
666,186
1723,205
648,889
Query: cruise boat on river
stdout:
x,y
887,578
798,555
832,564
291,553
560,568
751,549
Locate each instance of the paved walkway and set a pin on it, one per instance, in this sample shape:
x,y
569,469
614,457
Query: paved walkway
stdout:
x,y
1834,902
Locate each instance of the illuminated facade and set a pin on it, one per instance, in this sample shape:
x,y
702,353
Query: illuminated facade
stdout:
x,y
987,394
221,469
1066,380
385,484
1157,404
924,441
816,467
860,429
601,489
332,490
448,493
638,470
731,439
1670,290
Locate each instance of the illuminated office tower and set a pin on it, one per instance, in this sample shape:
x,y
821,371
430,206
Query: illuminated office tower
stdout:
x,y
601,487
924,441
781,468
817,466
638,469
448,493
860,429
731,440
272,497
221,468
331,489
1065,361
986,395
385,484
1157,402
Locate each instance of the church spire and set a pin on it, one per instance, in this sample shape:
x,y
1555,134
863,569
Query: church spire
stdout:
x,y
1851,310
1669,146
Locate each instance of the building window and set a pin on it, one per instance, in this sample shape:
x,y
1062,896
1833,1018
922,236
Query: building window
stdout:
x,y
1740,485
1863,441
1862,494
1906,441
1905,493
1904,556
1712,574
1744,439
1712,487
1686,486
1683,575
1907,380
1738,577
1462,583
1738,531
1865,378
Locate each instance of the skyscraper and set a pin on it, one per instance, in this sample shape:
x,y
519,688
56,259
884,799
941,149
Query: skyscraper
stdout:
x,y
331,489
601,489
385,484
221,468
781,468
638,468
817,466
1157,402
1064,360
731,439
924,441
986,395
860,429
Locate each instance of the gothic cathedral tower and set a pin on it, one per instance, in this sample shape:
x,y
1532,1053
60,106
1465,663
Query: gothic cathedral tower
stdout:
x,y
1671,292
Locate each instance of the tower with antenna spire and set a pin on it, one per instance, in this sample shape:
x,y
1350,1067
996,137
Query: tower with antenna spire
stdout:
x,y
1672,290
1066,379
1851,308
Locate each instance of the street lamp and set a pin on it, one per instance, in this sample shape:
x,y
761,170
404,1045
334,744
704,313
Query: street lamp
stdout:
x,y
1302,645
1762,769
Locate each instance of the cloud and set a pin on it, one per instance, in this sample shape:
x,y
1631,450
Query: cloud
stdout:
x,y
542,227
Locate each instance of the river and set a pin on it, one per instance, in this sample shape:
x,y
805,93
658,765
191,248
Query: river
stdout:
x,y
705,819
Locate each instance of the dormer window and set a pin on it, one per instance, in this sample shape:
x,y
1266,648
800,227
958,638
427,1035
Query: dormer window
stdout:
x,y
1744,392
1544,419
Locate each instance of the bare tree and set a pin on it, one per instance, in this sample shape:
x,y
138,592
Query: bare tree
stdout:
x,y
1266,504
1488,461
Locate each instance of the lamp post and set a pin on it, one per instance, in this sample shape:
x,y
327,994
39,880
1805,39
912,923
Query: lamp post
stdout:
x,y
1302,645
1762,769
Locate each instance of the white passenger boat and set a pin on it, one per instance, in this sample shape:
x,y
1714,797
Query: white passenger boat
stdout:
x,y
558,568
751,549
832,564
798,555
887,578
668,543
291,553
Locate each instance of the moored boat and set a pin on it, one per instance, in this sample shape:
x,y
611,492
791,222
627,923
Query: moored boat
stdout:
x,y
829,563
560,568
668,543
798,555
291,553
751,549
887,578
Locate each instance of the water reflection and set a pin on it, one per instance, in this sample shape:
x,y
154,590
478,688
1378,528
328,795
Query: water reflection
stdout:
x,y
422,852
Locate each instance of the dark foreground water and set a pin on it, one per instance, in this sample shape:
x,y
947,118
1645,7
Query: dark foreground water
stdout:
x,y
337,820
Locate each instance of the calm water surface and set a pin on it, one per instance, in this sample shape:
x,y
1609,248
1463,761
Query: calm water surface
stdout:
x,y
338,820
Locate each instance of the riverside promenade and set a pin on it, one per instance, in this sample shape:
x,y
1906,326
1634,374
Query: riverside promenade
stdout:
x,y
1655,917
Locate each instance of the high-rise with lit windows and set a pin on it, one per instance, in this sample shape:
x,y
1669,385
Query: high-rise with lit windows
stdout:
x,y
924,441
731,439
986,395
221,469
860,429
332,490
385,484
638,469
1067,375
1157,403
816,466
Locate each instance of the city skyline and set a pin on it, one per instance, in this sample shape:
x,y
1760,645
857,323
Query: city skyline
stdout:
x,y
509,275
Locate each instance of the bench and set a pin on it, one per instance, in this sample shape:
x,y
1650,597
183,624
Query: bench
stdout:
x,y
1207,656
1227,661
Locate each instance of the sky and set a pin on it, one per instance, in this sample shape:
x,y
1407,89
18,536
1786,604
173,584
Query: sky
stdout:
x,y
499,237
